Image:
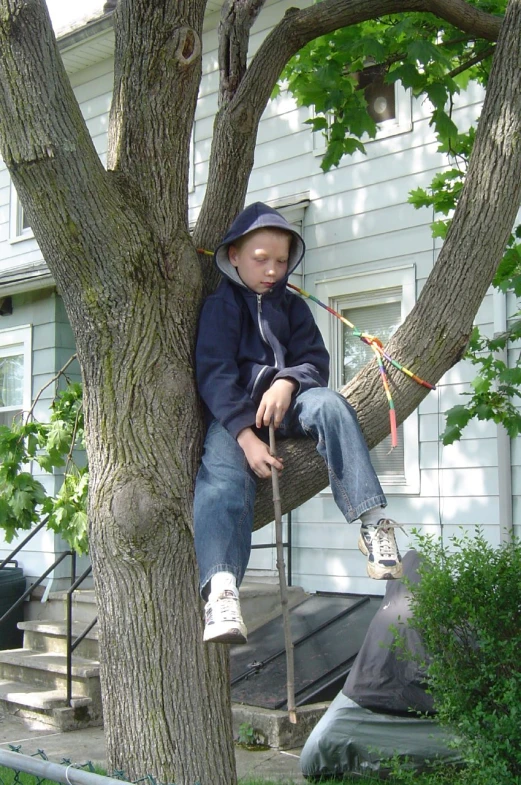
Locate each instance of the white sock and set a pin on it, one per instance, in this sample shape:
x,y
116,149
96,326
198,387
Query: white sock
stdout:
x,y
221,581
371,517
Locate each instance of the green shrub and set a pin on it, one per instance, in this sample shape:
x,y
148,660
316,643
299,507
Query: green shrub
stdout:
x,y
467,607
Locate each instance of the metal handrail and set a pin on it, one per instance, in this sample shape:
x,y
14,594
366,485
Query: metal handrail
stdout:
x,y
42,577
288,545
75,583
24,542
71,645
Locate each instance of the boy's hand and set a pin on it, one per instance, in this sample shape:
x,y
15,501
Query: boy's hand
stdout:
x,y
275,402
257,454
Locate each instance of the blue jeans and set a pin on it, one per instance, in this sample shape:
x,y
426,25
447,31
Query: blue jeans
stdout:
x,y
225,486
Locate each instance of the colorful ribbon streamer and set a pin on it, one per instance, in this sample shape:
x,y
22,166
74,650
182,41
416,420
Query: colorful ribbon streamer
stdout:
x,y
378,348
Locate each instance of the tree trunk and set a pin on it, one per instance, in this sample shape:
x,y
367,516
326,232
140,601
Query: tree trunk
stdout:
x,y
118,246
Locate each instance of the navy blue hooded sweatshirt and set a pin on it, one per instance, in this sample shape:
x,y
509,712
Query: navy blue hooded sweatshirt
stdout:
x,y
246,341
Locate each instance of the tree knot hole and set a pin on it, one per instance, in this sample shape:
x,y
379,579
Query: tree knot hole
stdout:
x,y
188,46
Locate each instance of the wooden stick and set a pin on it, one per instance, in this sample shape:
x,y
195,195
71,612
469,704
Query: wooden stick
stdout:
x,y
281,567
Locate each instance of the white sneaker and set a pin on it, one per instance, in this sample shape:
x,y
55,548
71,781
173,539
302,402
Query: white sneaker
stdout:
x,y
223,620
378,543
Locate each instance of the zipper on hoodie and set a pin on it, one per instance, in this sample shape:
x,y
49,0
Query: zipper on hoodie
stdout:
x,y
258,379
261,329
259,319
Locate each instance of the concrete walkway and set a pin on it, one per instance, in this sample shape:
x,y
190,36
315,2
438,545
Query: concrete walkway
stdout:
x,y
89,744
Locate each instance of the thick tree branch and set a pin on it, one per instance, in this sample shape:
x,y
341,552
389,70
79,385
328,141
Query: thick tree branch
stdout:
x,y
436,332
237,17
74,211
157,72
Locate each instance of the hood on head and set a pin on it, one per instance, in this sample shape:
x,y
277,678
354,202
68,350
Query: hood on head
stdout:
x,y
257,216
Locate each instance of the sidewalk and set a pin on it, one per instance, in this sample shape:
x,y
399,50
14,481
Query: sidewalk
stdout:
x,y
89,744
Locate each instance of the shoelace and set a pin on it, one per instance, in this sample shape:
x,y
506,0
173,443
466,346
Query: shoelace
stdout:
x,y
224,608
386,544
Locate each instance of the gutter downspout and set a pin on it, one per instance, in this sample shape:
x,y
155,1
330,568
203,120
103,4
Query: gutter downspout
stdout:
x,y
506,524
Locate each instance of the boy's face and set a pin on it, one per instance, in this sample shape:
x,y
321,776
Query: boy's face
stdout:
x,y
261,259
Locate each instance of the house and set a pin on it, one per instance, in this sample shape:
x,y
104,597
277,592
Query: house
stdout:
x,y
369,254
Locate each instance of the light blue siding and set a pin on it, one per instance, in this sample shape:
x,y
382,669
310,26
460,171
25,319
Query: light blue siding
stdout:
x,y
358,222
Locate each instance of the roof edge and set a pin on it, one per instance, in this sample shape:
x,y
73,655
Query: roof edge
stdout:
x,y
92,29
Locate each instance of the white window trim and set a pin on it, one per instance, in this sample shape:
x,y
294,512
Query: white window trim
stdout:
x,y
16,233
400,124
18,340
334,291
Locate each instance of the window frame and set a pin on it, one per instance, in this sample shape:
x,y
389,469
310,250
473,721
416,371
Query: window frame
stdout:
x,y
369,289
17,233
14,341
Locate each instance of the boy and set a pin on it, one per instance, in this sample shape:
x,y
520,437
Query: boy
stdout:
x,y
260,356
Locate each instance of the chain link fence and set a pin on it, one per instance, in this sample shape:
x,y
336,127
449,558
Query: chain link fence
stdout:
x,y
66,772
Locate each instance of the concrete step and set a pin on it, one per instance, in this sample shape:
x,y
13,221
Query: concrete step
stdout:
x,y
260,602
48,706
33,680
51,636
54,608
83,605
30,696
49,671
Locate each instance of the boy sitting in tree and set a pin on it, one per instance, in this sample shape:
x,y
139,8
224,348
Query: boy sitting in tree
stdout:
x,y
260,357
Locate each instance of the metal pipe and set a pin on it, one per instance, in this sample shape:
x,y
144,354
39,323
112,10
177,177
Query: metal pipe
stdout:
x,y
289,546
24,542
69,647
44,769
504,446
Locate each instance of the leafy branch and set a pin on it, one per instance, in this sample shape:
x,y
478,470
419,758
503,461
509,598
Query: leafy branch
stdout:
x,y
57,444
426,55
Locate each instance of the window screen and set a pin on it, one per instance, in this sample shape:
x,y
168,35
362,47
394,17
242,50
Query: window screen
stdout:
x,y
11,387
381,320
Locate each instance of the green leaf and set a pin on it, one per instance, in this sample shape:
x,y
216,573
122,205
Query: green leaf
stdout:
x,y
440,229
450,435
423,51
58,437
437,94
318,123
445,126
22,502
481,385
418,197
458,416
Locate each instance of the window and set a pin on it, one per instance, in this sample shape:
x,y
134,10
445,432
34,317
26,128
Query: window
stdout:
x,y
381,320
377,303
380,96
15,373
390,106
19,228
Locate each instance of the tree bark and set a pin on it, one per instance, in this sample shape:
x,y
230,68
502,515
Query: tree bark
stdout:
x,y
118,246
131,284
